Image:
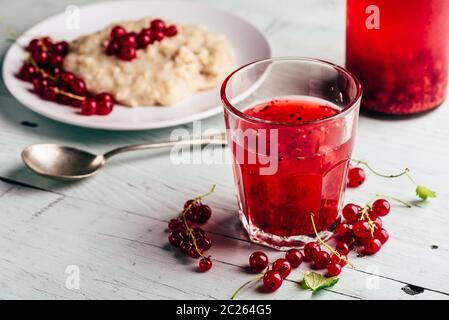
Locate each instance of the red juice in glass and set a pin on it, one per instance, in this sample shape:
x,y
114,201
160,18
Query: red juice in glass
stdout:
x,y
399,50
306,141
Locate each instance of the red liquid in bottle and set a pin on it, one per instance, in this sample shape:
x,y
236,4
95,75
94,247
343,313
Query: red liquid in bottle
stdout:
x,y
402,62
313,158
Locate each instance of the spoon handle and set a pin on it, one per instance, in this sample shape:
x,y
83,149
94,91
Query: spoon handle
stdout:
x,y
218,139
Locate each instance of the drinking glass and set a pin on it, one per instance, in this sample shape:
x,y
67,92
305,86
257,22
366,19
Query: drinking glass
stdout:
x,y
290,176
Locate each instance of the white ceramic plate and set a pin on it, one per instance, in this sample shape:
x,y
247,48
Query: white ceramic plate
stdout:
x,y
248,43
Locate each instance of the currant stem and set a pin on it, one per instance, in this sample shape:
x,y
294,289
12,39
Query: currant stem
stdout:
x,y
403,202
365,163
247,283
34,64
326,245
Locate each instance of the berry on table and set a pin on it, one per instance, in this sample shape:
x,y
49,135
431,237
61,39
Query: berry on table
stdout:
x,y
362,230
351,212
272,280
371,246
203,214
258,261
205,264
382,235
343,230
283,267
310,250
342,248
321,260
333,269
295,257
380,207
356,176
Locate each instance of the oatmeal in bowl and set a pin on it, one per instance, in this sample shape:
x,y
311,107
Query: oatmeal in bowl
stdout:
x,y
162,73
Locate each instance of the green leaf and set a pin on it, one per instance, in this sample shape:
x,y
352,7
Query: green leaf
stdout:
x,y
424,192
315,281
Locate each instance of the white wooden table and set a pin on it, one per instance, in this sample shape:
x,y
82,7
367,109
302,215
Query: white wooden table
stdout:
x,y
113,227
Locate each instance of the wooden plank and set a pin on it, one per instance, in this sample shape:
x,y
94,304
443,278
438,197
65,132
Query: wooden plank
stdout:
x,y
124,255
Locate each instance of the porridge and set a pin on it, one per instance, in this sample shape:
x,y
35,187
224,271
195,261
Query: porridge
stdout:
x,y
163,73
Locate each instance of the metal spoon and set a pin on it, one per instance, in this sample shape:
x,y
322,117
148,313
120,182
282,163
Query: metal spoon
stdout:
x,y
67,163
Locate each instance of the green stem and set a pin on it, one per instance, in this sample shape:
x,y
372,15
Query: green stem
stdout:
x,y
247,283
365,163
403,202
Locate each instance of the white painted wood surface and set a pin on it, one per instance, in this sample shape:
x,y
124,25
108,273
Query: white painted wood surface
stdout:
x,y
113,226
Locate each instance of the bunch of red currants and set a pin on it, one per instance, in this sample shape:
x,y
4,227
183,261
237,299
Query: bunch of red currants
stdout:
x,y
187,236
124,44
44,69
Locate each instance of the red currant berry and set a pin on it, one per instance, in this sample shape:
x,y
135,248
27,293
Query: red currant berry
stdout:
x,y
342,248
78,86
184,247
60,48
294,256
39,85
174,224
371,246
47,41
258,261
144,39
377,222
382,235
356,176
333,269
89,107
321,260
128,53
27,72
112,48
157,25
105,96
49,93
56,60
171,31
205,264
118,32
159,36
351,212
204,243
343,230
203,215
283,267
198,232
66,78
381,207
40,57
362,230
174,239
341,260
56,71
193,253
129,40
310,250
104,107
272,280
34,45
